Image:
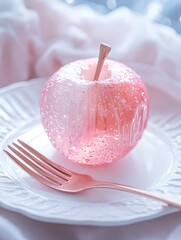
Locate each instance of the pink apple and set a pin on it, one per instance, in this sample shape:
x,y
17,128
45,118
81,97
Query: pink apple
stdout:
x,y
94,122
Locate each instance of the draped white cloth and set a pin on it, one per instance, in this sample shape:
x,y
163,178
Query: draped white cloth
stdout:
x,y
14,226
39,36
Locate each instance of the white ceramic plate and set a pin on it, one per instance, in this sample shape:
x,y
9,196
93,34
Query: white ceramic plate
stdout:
x,y
154,164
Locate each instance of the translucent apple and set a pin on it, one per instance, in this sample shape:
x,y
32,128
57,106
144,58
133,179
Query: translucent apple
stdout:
x,y
94,122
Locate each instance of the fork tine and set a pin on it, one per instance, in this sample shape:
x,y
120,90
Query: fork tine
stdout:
x,y
41,163
43,158
43,179
37,168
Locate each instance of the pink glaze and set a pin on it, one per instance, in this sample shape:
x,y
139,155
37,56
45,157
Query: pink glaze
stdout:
x,y
94,122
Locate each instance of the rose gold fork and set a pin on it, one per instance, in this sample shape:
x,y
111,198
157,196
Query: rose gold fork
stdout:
x,y
57,177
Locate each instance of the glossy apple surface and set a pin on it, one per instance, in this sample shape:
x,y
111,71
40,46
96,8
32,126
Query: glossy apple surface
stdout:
x,y
94,122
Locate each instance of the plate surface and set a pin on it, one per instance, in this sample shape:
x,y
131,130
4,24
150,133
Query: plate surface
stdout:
x,y
154,164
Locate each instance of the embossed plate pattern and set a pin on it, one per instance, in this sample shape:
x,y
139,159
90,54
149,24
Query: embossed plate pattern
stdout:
x,y
154,164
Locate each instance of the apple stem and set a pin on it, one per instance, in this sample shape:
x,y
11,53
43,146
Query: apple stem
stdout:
x,y
103,53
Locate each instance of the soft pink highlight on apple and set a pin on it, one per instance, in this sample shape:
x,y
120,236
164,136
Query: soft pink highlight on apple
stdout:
x,y
94,122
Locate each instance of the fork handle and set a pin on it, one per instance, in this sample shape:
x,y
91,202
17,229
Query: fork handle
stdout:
x,y
169,200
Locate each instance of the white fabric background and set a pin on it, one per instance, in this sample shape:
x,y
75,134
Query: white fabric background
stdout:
x,y
14,226
39,36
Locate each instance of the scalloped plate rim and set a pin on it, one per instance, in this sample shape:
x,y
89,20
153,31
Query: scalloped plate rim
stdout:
x,y
46,218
